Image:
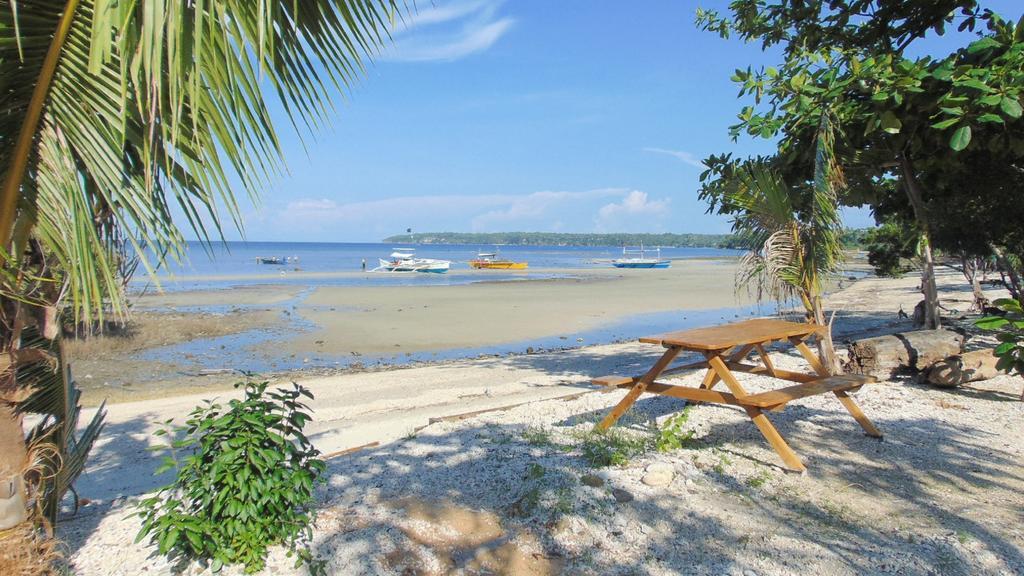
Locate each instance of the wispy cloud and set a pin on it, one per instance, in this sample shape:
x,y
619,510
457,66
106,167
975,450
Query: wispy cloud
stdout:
x,y
683,155
444,32
598,209
625,213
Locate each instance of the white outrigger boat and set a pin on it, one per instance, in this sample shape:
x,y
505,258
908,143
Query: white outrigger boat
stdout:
x,y
642,261
405,260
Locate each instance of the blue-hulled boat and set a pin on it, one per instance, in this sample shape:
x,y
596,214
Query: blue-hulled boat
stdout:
x,y
641,261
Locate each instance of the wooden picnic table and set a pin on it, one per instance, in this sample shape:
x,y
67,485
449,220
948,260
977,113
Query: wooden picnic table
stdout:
x,y
725,349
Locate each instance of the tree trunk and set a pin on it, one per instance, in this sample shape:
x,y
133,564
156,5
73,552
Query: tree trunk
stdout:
x,y
1014,284
884,356
826,348
932,320
970,268
13,459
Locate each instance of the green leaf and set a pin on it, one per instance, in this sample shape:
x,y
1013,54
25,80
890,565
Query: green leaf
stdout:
x,y
985,43
890,123
1011,107
1004,348
991,322
945,123
961,138
995,118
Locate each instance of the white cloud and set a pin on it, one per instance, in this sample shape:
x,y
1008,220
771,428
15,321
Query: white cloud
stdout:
x,y
598,209
447,32
537,205
686,157
624,214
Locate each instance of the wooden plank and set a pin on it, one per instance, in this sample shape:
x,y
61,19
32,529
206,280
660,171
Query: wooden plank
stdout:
x,y
348,451
613,416
810,356
779,373
813,388
775,439
766,360
723,372
614,380
693,394
760,330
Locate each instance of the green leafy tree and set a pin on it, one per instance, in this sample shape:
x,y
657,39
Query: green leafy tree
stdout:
x,y
905,119
112,112
889,245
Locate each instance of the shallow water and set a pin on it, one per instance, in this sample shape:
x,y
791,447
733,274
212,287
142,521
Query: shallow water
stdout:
x,y
339,264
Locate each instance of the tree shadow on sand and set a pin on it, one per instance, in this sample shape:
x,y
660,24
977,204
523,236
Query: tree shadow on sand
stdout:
x,y
719,523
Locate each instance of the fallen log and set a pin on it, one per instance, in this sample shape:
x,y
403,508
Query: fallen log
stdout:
x,y
883,356
967,367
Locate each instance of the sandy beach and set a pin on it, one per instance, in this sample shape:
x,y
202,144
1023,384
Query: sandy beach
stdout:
x,y
442,493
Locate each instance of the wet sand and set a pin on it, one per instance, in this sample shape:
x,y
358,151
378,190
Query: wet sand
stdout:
x,y
298,324
388,319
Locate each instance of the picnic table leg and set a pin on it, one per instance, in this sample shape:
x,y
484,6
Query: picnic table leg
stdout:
x,y
712,377
859,416
771,434
612,417
768,430
847,400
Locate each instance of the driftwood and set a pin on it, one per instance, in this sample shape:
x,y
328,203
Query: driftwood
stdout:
x,y
883,356
967,367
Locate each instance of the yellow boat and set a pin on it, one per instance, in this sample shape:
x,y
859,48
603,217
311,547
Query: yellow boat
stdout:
x,y
490,261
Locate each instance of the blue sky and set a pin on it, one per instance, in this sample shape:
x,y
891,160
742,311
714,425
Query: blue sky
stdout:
x,y
574,116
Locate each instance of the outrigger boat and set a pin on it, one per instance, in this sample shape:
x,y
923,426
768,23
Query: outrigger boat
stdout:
x,y
491,261
405,260
642,261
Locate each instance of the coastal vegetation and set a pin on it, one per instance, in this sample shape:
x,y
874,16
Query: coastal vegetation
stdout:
x,y
915,131
793,236
851,238
114,113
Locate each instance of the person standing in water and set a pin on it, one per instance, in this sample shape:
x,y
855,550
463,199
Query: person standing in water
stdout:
x,y
364,264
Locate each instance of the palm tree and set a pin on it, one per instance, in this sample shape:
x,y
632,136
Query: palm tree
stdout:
x,y
794,235
112,112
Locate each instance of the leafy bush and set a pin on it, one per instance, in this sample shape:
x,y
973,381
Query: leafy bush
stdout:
x,y
888,245
672,435
1011,335
246,485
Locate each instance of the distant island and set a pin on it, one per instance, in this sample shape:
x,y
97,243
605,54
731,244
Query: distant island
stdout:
x,y
851,239
565,239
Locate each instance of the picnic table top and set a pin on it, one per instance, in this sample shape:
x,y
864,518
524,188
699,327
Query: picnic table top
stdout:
x,y
756,331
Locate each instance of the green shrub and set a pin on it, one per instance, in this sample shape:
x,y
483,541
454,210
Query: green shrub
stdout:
x,y
1010,328
890,244
612,447
246,484
672,435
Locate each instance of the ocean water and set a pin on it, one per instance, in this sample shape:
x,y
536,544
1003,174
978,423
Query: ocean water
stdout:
x,y
236,263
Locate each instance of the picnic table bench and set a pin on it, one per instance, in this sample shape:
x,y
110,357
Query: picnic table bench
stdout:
x,y
725,349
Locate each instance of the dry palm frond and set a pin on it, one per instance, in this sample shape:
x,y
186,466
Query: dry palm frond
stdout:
x,y
27,551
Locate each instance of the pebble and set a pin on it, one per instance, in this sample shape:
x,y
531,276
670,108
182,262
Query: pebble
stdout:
x,y
658,474
591,480
621,496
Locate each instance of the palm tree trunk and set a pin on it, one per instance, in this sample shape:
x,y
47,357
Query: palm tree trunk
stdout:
x,y
11,186
932,320
826,348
